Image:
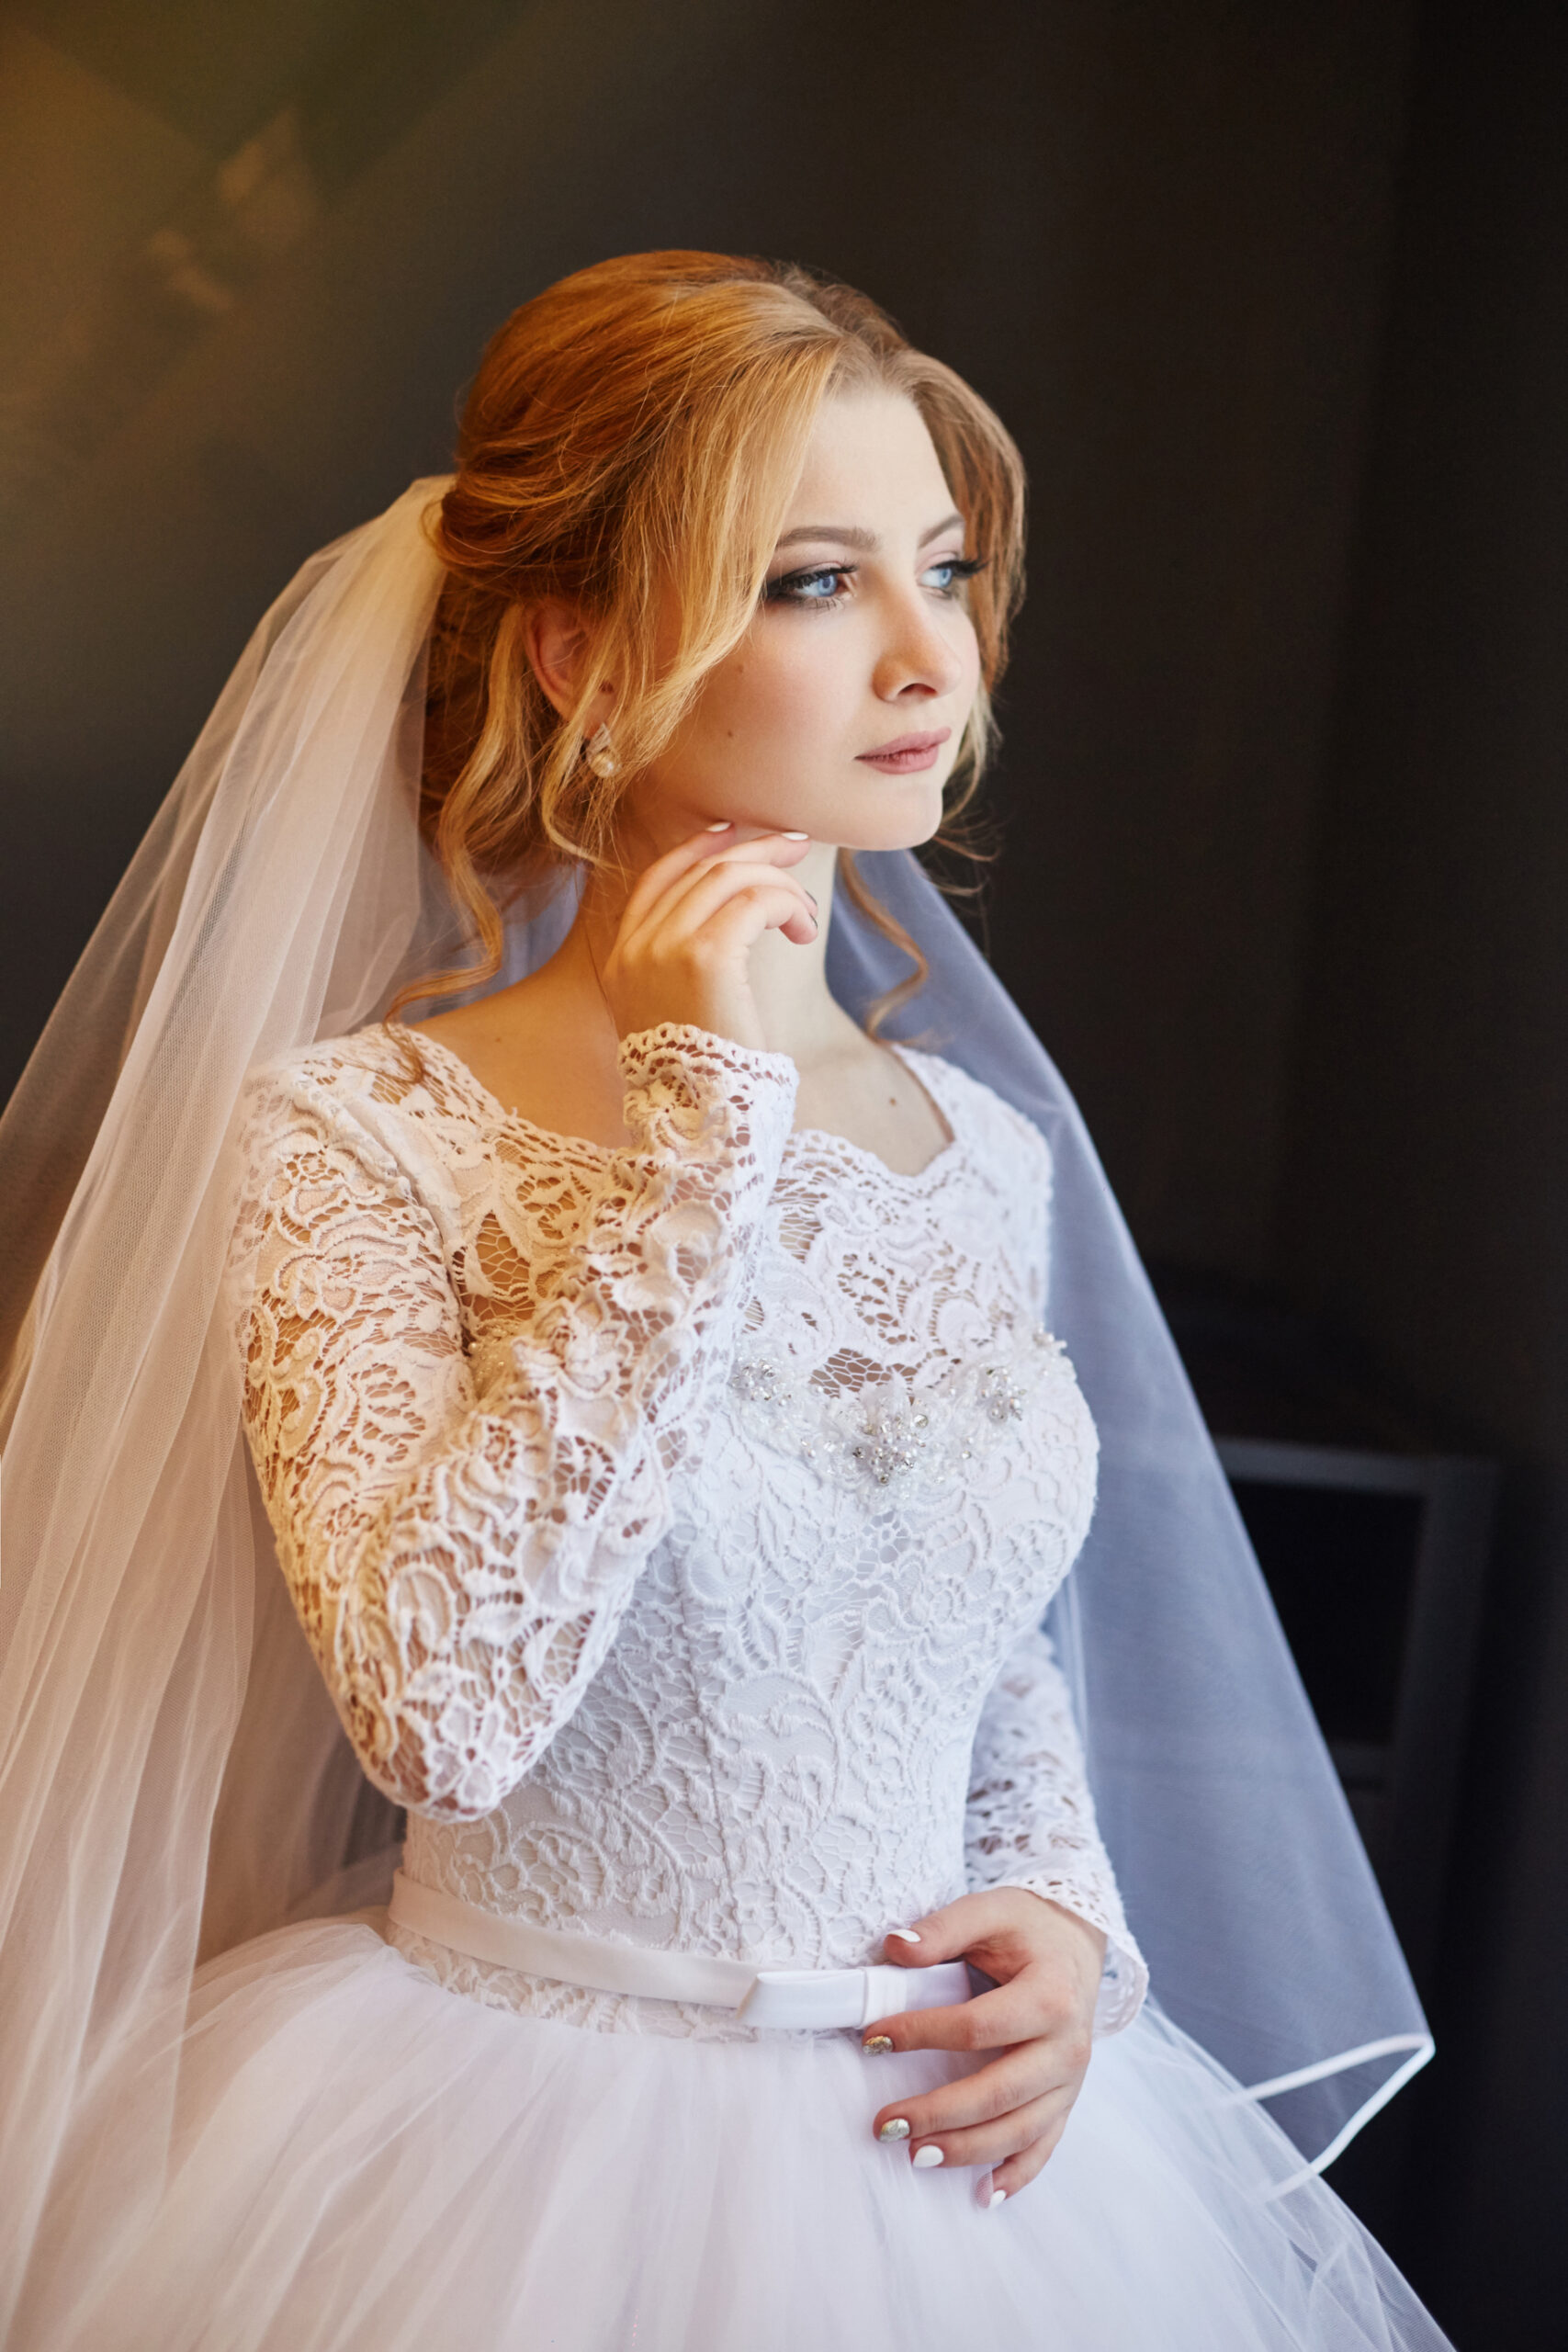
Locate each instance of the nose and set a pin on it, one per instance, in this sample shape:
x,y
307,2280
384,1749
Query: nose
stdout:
x,y
919,662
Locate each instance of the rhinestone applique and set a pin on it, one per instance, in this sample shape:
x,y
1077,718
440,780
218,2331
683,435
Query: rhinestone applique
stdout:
x,y
888,1432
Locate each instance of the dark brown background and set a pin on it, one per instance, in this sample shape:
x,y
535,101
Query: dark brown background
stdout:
x,y
1276,299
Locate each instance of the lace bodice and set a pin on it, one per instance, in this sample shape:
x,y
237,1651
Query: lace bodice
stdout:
x,y
672,1525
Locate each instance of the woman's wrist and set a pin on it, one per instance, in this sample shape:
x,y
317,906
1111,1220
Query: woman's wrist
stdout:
x,y
1123,1977
706,1048
698,1095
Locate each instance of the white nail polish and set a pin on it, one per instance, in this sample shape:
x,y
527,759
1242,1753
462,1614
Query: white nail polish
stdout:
x,y
905,1935
923,2158
797,837
998,2197
722,827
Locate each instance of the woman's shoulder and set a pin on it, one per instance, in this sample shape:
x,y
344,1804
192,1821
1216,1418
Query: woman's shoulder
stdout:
x,y
378,1092
384,1064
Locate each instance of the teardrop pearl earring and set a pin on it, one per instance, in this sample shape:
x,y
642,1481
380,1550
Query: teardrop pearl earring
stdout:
x,y
599,754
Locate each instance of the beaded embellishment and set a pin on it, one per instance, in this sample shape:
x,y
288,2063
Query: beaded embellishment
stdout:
x,y
886,1432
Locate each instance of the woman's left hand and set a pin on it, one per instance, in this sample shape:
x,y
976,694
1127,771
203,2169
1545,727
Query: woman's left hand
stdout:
x,y
1010,2113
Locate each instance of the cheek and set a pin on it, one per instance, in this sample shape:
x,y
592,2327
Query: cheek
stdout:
x,y
785,688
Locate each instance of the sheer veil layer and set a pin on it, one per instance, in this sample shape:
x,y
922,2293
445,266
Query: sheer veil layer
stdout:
x,y
167,1751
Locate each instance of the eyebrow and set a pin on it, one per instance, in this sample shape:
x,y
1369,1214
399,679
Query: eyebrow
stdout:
x,y
847,535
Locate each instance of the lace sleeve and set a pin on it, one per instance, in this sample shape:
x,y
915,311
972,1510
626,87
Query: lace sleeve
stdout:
x,y
460,1554
1030,1818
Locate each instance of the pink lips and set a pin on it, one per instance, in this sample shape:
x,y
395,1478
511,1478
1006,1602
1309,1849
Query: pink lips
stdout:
x,y
906,754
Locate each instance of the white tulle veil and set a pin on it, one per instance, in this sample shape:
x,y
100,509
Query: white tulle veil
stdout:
x,y
172,1775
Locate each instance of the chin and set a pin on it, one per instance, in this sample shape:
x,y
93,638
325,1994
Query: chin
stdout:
x,y
893,813
902,817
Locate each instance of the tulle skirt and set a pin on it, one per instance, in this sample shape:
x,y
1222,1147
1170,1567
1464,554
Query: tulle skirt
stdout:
x,y
366,2162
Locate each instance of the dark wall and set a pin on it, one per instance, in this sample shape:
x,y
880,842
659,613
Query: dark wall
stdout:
x,y
1427,1200
1152,234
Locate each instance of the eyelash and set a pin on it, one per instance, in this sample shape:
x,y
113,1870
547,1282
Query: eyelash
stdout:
x,y
777,592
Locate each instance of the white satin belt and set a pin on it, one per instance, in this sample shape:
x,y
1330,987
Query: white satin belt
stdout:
x,y
815,1998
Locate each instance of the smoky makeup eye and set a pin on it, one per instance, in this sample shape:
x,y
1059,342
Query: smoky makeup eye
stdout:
x,y
813,587
958,568
800,587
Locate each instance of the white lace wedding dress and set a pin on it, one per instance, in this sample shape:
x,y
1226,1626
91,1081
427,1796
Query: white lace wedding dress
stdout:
x,y
673,1527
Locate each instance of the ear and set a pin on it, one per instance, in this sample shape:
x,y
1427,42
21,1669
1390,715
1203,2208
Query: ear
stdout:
x,y
554,640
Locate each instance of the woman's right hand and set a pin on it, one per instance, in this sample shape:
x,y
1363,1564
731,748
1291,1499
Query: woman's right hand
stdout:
x,y
683,949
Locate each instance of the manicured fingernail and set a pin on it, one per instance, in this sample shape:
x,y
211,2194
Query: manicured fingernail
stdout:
x,y
895,2128
877,2044
797,837
722,827
905,1935
923,2158
998,2197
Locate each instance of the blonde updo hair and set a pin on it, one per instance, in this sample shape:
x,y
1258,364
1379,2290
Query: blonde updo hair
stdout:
x,y
630,447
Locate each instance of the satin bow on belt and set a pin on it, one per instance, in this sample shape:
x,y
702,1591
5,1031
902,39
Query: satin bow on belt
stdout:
x,y
784,1998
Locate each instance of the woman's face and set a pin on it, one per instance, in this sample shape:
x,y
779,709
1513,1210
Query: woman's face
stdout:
x,y
840,712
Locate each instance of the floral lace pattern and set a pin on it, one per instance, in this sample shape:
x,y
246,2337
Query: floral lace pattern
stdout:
x,y
560,1446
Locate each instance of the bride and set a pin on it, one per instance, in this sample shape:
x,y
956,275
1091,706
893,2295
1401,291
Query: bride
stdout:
x,y
670,1405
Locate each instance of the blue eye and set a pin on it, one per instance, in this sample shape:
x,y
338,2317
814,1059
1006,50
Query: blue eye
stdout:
x,y
824,586
816,586
951,570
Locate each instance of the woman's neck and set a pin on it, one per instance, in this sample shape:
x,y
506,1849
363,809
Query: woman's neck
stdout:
x,y
548,1046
